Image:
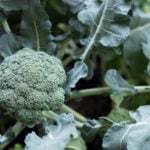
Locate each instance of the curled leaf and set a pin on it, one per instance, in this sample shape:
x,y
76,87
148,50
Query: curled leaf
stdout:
x,y
128,135
57,136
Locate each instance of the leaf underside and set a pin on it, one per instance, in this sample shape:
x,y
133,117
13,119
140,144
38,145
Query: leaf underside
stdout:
x,y
130,136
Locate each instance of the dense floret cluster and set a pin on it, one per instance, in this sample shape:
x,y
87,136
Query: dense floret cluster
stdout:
x,y
31,82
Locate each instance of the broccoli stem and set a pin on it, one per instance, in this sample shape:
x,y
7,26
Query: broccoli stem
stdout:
x,y
77,115
13,133
105,90
53,116
50,115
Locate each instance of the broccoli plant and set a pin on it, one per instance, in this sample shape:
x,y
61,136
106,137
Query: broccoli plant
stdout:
x,y
74,74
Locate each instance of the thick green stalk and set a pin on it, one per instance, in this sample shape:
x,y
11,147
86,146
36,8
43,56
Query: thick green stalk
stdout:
x,y
105,90
77,115
50,115
89,92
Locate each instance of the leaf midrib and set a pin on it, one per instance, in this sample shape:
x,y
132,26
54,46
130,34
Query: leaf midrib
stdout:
x,y
139,28
92,41
128,130
37,36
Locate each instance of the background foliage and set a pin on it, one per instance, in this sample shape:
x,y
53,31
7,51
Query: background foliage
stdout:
x,y
104,46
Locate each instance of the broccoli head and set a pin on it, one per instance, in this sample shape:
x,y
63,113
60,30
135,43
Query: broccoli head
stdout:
x,y
31,82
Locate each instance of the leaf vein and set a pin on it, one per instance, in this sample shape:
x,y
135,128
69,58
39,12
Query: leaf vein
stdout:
x,y
37,36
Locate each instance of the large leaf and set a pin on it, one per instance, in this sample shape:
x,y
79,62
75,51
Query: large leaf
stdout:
x,y
106,26
90,130
128,136
57,136
139,35
36,27
139,19
9,44
133,47
119,86
107,21
9,5
134,101
124,93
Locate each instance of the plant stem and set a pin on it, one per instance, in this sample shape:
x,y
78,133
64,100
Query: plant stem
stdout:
x,y
77,115
105,90
53,116
50,115
142,89
15,131
6,26
89,92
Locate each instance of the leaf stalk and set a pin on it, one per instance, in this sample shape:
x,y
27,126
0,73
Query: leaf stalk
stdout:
x,y
77,115
105,90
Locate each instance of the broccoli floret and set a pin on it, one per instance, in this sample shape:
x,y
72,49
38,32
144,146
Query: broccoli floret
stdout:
x,y
31,82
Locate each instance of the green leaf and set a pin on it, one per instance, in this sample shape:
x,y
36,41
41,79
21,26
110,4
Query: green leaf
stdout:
x,y
106,123
117,113
135,141
76,144
9,44
9,5
106,26
114,139
107,22
142,114
134,45
114,80
79,71
146,49
90,130
36,27
57,136
73,3
139,19
129,136
134,101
